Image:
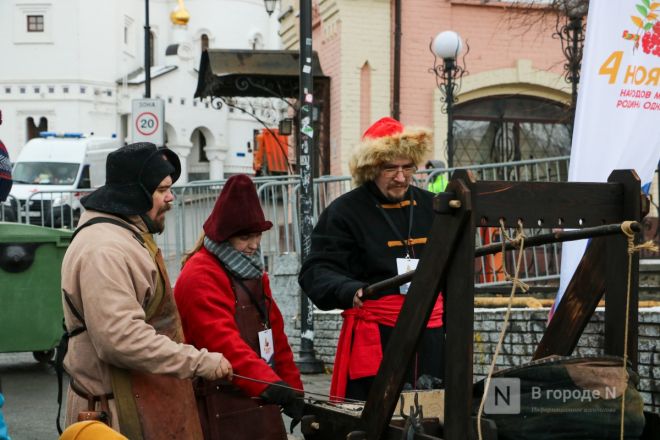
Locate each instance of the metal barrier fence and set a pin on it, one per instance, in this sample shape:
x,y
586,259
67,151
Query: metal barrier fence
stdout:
x,y
9,209
279,198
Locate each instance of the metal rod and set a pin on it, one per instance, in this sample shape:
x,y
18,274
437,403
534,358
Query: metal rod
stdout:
x,y
299,390
147,52
554,237
450,65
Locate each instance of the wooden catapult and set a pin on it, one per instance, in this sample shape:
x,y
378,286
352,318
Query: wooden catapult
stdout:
x,y
596,210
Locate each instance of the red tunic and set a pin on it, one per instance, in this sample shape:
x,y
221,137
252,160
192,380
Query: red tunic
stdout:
x,y
206,302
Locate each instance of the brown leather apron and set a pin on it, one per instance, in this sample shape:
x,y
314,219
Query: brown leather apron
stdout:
x,y
157,406
226,413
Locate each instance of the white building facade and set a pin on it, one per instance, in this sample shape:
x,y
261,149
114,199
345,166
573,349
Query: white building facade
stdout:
x,y
76,65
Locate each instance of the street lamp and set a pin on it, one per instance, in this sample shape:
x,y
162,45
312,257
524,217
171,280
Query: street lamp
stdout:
x,y
270,6
570,30
446,46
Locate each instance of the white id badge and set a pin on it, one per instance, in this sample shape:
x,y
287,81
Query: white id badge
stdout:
x,y
266,346
405,265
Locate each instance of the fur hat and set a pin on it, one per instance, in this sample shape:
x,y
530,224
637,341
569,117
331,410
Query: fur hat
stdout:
x,y
386,140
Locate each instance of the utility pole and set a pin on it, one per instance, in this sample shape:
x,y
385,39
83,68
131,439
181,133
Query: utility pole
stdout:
x,y
307,362
147,52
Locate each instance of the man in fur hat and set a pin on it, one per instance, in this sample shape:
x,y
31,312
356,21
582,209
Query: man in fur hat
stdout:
x,y
372,233
126,359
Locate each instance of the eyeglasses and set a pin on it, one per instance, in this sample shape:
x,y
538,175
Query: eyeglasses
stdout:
x,y
393,170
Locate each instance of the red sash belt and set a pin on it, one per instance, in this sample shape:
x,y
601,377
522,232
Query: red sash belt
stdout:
x,y
359,350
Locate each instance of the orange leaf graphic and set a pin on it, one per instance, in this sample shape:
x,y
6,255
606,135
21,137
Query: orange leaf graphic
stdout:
x,y
638,21
654,6
652,16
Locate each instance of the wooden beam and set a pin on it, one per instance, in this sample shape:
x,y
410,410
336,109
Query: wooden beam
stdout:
x,y
415,314
555,204
616,274
459,328
577,305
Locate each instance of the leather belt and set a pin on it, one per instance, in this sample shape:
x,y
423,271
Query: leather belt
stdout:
x,y
90,397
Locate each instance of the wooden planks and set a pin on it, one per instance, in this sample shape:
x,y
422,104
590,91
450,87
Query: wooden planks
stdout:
x,y
415,314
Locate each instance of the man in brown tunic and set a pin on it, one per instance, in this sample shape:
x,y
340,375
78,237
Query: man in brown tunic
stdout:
x,y
126,355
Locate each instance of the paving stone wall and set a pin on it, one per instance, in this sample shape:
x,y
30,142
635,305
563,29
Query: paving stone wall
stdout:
x,y
526,328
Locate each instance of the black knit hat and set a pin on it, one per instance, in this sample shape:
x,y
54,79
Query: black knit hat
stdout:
x,y
132,174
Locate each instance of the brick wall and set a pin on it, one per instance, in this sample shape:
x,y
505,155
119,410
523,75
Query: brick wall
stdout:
x,y
525,331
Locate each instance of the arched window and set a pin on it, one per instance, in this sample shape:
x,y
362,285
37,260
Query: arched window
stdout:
x,y
33,130
205,42
509,128
202,145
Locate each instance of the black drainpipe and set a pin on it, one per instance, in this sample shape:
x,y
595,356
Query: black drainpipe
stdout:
x,y
396,87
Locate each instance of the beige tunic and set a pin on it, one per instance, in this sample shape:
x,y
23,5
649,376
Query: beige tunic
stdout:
x,y
110,278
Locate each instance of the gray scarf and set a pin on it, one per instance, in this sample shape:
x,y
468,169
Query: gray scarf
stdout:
x,y
243,266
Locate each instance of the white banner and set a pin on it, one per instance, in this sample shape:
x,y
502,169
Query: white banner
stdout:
x,y
617,120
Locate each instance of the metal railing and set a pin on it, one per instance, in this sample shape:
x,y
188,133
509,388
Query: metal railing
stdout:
x,y
9,209
279,198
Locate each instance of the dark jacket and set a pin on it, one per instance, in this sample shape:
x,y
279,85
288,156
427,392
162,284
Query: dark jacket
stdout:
x,y
354,246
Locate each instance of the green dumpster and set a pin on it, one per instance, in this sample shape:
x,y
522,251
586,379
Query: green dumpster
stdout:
x,y
30,301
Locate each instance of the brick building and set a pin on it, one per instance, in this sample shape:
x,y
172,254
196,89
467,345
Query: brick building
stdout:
x,y
512,105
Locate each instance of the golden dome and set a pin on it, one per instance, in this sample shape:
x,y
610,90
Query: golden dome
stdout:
x,y
181,15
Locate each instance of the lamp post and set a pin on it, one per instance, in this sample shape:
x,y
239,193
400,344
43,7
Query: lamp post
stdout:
x,y
570,30
270,6
446,46
307,361
147,52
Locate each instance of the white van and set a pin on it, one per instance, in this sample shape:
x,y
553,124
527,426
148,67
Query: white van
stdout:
x,y
53,171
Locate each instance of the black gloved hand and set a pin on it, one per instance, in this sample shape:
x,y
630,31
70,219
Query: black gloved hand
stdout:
x,y
290,401
294,409
279,395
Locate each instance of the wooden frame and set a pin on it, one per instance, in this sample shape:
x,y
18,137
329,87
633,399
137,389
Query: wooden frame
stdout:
x,y
448,265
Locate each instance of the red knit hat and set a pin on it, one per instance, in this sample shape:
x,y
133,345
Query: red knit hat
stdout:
x,y
383,127
237,211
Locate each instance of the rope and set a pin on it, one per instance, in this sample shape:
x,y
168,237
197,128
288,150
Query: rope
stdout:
x,y
298,390
632,248
519,242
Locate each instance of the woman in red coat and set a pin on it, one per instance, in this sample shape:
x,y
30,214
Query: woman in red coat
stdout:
x,y
225,302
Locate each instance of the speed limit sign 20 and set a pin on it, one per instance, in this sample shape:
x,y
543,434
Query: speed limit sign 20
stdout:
x,y
146,123
148,115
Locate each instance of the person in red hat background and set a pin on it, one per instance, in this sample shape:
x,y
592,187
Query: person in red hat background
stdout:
x,y
225,302
372,233
126,358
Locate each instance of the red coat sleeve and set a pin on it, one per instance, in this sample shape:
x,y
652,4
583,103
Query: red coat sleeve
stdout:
x,y
206,303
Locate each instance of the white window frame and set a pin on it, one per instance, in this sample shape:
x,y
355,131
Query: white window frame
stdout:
x,y
21,13
128,30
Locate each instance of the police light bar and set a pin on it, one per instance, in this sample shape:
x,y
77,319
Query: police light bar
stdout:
x,y
47,134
